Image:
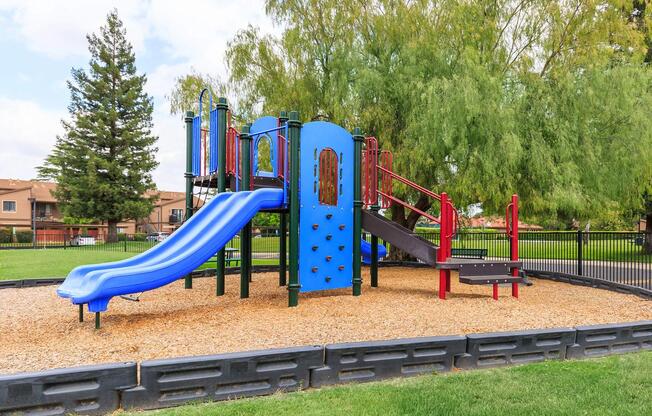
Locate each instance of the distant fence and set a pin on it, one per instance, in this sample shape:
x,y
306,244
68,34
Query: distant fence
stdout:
x,y
615,256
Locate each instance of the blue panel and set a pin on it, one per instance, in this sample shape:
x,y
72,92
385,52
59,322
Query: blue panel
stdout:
x,y
264,124
213,141
196,145
316,270
187,248
365,251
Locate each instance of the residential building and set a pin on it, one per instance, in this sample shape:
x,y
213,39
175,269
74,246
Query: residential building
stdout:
x,y
26,203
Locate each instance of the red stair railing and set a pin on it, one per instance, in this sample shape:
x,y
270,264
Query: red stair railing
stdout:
x,y
511,225
374,171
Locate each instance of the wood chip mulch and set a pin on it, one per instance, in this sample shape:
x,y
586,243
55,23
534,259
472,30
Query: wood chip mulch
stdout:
x,y
38,330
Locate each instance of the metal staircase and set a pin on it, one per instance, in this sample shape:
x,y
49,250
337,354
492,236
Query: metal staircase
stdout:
x,y
377,168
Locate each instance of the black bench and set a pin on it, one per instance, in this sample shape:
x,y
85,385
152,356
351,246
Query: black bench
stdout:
x,y
472,253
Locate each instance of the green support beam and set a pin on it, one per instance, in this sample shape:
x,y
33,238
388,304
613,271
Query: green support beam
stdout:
x,y
188,175
222,108
245,235
374,254
294,136
283,252
358,139
283,249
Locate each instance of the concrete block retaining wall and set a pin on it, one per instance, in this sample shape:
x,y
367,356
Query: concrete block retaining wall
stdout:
x,y
104,388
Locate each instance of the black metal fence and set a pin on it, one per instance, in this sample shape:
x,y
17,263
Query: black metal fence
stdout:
x,y
616,256
609,255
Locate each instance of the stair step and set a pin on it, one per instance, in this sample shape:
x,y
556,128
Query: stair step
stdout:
x,y
465,263
488,280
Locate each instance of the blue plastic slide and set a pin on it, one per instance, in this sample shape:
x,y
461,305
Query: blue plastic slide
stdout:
x,y
365,250
187,248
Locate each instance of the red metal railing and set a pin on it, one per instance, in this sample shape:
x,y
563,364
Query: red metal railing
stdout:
x,y
511,225
374,170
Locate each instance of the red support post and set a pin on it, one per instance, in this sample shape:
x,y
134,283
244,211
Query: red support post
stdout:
x,y
514,241
442,253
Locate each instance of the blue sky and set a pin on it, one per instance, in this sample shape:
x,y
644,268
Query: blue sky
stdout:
x,y
41,40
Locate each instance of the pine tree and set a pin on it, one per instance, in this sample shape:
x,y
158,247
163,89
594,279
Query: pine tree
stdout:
x,y
103,161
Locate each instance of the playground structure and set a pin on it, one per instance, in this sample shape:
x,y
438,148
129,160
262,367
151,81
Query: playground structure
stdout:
x,y
327,185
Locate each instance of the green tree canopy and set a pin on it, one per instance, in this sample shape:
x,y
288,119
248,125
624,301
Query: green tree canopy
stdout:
x,y
103,162
482,99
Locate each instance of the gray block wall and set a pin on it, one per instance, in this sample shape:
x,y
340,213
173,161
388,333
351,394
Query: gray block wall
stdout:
x,y
86,390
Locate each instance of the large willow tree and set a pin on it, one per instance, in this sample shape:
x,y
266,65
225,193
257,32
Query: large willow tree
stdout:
x,y
480,98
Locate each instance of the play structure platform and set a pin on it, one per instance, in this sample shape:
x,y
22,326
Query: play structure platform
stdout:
x,y
326,184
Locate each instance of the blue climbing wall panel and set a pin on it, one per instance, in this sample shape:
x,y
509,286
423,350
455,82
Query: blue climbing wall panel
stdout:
x,y
264,124
325,231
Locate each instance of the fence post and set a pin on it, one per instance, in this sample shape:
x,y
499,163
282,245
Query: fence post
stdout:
x,y
125,242
580,254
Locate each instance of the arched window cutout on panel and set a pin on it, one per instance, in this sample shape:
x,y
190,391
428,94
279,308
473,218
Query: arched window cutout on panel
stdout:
x,y
328,169
264,155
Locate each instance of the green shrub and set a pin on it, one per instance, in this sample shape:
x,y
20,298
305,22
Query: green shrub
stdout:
x,y
140,237
123,237
5,235
24,236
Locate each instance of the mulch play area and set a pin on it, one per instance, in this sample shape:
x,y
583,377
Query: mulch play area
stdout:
x,y
39,330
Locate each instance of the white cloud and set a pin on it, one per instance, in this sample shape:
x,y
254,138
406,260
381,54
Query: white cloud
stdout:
x,y
193,35
58,29
27,135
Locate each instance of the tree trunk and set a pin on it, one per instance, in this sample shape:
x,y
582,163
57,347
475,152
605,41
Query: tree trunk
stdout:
x,y
409,222
112,236
647,239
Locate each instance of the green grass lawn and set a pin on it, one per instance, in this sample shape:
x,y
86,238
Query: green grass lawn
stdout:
x,y
28,264
24,264
617,385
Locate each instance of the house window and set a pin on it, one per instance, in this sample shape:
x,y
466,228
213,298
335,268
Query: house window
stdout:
x,y
8,206
177,213
328,177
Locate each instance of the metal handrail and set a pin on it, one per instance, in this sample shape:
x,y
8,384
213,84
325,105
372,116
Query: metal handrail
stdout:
x,y
410,183
413,208
508,229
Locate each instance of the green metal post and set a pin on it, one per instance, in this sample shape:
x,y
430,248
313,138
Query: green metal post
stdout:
x,y
189,177
81,313
283,253
245,235
222,108
97,320
374,253
294,136
283,248
358,138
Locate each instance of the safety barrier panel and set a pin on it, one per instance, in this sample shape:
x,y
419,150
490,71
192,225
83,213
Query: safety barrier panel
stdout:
x,y
86,390
171,382
601,340
106,388
367,361
520,347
